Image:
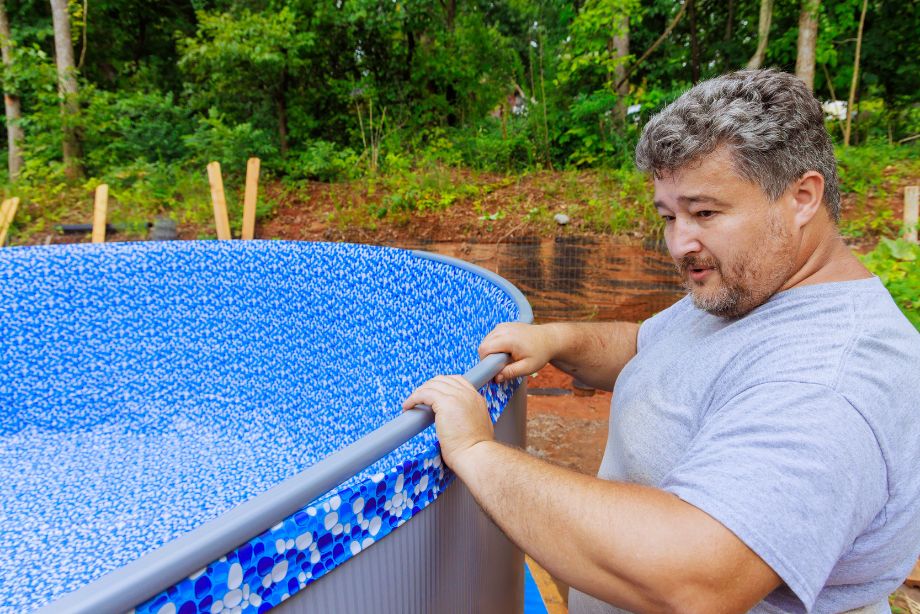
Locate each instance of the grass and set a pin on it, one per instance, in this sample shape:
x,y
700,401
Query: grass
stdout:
x,y
137,194
603,201
870,177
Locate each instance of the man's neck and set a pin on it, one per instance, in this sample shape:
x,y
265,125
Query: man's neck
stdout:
x,y
825,258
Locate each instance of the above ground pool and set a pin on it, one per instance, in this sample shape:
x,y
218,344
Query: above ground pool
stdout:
x,y
196,426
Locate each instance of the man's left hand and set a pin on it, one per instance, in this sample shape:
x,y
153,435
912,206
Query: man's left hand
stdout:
x,y
461,417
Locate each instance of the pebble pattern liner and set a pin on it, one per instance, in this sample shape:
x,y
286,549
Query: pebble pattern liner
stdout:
x,y
147,388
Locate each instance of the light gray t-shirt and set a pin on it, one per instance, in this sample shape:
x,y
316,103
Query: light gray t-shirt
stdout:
x,y
796,426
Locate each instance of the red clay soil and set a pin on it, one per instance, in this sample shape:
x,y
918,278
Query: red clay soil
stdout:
x,y
563,428
338,212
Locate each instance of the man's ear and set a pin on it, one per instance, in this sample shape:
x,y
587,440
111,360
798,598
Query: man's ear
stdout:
x,y
807,197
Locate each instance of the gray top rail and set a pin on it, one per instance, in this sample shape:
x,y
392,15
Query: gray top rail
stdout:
x,y
134,583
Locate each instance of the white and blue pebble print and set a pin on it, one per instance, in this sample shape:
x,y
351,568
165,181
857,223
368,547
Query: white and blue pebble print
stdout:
x,y
147,388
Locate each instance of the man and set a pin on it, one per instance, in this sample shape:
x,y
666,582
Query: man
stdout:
x,y
763,450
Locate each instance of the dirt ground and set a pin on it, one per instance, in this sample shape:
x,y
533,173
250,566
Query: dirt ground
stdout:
x,y
562,427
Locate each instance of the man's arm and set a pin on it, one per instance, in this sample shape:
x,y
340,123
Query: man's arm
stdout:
x,y
640,548
594,353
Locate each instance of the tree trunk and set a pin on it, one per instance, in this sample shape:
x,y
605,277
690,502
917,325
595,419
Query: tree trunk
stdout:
x,y
281,106
620,47
850,102
808,39
67,88
450,13
763,34
694,43
651,50
14,131
730,22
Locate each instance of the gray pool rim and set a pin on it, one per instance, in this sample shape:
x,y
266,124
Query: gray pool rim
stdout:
x,y
122,589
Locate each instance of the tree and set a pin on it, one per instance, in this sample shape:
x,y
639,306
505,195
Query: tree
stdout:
x,y
694,42
246,60
808,40
14,130
67,89
620,47
763,34
855,81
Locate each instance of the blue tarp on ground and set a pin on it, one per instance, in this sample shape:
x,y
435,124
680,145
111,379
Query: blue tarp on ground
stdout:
x,y
533,602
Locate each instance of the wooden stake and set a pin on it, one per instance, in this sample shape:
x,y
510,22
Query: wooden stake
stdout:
x,y
7,213
100,210
221,221
911,200
549,590
3,223
249,200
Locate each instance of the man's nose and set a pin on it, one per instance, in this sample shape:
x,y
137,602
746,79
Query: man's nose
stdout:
x,y
682,238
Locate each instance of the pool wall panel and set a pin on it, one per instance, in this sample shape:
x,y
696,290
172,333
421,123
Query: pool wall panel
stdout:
x,y
448,558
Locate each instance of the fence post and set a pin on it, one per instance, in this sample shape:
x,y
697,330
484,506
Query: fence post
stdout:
x,y
100,210
249,200
221,221
7,213
911,198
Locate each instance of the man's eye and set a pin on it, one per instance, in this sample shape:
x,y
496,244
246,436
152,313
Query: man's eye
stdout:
x,y
667,218
705,214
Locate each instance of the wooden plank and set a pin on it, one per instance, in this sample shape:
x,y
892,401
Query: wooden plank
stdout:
x,y
221,220
100,211
7,214
3,223
911,205
549,590
249,200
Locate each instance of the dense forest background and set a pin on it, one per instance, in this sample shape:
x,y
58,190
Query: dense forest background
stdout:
x,y
447,119
328,90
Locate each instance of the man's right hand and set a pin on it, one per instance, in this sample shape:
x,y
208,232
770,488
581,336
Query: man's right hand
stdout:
x,y
593,352
531,347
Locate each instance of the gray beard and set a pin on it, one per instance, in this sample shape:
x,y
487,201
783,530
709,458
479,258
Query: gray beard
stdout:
x,y
723,304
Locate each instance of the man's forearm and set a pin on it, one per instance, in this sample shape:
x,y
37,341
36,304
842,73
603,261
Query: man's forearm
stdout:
x,y
594,352
637,547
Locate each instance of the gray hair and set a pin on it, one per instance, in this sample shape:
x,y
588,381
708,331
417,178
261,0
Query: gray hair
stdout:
x,y
772,125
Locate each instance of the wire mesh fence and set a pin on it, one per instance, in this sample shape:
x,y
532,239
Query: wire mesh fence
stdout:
x,y
576,277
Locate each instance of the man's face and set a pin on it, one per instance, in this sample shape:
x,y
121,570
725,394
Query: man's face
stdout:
x,y
733,247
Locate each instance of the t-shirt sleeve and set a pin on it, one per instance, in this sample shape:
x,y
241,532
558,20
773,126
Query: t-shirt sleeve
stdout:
x,y
794,471
650,328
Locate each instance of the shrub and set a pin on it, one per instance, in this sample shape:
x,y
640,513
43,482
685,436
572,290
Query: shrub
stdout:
x,y
321,161
896,262
121,129
231,145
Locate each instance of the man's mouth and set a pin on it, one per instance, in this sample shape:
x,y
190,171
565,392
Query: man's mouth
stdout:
x,y
696,270
698,274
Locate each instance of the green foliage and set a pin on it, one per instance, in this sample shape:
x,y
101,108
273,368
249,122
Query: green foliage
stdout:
x,y
873,172
897,264
138,126
431,189
617,201
864,170
240,61
166,87
322,161
230,144
488,149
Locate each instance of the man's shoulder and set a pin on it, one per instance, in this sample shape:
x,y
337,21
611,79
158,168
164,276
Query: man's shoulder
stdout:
x,y
835,335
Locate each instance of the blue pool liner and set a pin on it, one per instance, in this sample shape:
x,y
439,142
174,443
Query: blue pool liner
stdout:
x,y
149,389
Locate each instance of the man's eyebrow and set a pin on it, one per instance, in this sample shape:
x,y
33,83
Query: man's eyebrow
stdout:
x,y
692,199
700,198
